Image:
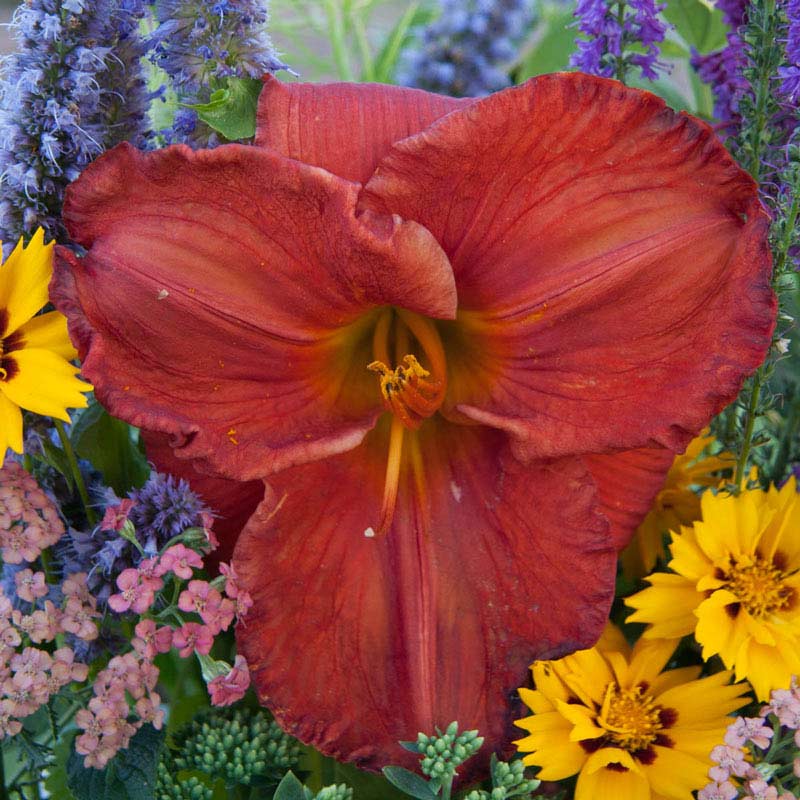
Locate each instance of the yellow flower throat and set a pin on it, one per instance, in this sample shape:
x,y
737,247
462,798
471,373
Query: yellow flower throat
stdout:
x,y
758,583
631,717
410,392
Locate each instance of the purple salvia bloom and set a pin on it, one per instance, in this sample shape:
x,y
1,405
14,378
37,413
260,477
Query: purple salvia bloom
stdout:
x,y
790,74
605,47
466,51
72,90
722,70
199,42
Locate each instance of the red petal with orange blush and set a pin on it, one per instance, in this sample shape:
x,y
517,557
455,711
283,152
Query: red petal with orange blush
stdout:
x,y
491,565
345,128
225,294
627,484
610,257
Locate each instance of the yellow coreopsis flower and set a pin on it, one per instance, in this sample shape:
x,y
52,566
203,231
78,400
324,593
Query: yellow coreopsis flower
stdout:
x,y
676,504
627,729
735,586
35,351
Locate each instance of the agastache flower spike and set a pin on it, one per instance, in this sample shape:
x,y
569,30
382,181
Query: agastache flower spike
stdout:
x,y
556,286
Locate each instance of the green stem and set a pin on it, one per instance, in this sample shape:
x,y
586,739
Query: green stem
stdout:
x,y
3,791
792,424
747,438
447,788
72,459
621,66
337,37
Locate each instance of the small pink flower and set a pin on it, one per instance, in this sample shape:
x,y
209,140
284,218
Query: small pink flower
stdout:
x,y
748,729
785,705
227,689
116,516
208,529
180,560
9,724
30,667
78,619
148,709
76,585
150,641
44,626
718,791
203,599
759,789
151,570
134,596
192,636
30,585
731,761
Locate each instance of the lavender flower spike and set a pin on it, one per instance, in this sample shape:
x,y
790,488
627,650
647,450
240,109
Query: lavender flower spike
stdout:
x,y
465,52
73,89
610,28
199,43
790,74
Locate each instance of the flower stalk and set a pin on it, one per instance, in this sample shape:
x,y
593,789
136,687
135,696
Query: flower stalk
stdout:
x,y
75,471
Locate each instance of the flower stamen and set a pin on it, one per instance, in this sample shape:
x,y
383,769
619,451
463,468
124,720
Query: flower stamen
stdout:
x,y
758,584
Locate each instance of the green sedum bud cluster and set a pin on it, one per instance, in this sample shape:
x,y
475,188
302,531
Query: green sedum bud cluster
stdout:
x,y
168,787
508,780
443,753
239,746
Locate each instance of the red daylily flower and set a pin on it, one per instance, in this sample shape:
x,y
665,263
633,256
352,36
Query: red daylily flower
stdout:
x,y
461,341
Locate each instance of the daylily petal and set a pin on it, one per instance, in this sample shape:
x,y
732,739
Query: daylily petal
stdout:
x,y
227,291
434,621
627,482
611,261
49,332
232,502
345,128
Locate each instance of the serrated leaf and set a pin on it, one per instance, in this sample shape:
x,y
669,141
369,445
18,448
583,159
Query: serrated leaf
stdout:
x,y
130,775
56,781
106,442
699,24
289,788
231,110
409,782
552,50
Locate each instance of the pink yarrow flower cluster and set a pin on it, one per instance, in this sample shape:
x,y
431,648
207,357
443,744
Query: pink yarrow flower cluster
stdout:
x,y
108,724
30,676
29,520
757,760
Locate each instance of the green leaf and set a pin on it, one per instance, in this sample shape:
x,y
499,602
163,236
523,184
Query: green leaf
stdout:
x,y
409,782
410,746
130,775
551,51
56,458
289,788
700,24
56,781
415,16
231,111
666,91
107,443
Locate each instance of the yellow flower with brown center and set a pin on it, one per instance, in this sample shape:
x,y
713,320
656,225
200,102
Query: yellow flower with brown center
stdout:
x,y
678,503
735,586
35,351
627,729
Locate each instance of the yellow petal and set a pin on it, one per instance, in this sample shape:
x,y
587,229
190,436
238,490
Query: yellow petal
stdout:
x,y
688,557
45,384
705,702
597,782
668,605
24,279
582,719
10,425
536,702
649,657
717,630
49,332
676,775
